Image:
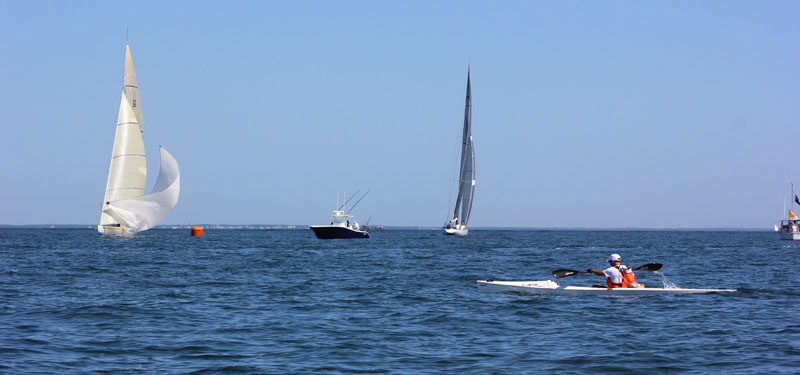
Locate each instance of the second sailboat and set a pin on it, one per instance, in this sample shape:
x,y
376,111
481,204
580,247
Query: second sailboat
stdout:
x,y
466,176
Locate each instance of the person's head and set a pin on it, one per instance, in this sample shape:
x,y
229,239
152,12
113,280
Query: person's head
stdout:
x,y
614,259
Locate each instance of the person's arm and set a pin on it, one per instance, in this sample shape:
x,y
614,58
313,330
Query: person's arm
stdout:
x,y
596,272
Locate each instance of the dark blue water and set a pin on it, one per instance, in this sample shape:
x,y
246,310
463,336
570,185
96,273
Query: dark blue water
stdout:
x,y
402,302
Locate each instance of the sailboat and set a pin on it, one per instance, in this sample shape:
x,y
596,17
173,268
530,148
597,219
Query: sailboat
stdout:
x,y
789,228
466,180
126,209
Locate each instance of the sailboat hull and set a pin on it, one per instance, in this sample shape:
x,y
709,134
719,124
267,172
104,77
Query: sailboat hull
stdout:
x,y
456,232
331,232
790,236
107,230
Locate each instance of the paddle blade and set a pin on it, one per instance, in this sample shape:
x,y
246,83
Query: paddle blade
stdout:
x,y
564,273
649,267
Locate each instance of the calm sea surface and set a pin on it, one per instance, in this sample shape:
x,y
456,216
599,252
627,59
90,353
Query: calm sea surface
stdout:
x,y
402,302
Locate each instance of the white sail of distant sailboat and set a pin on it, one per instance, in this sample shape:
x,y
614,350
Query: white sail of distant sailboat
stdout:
x,y
126,210
466,180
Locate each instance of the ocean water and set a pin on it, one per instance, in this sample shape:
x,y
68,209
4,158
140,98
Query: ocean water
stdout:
x,y
402,302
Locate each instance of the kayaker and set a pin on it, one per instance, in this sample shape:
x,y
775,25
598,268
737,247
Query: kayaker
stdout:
x,y
618,275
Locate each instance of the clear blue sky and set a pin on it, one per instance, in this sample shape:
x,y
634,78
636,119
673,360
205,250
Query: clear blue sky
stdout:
x,y
585,114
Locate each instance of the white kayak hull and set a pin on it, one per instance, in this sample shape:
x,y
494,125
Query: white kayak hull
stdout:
x,y
551,287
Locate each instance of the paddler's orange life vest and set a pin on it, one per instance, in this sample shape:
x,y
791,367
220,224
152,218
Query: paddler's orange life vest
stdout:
x,y
627,279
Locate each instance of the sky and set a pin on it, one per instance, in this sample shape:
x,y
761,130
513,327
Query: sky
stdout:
x,y
613,114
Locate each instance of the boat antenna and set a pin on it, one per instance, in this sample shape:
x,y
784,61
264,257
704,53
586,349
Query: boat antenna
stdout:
x,y
345,202
359,200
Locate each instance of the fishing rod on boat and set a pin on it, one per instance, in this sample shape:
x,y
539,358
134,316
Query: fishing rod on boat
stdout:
x,y
646,267
359,200
348,200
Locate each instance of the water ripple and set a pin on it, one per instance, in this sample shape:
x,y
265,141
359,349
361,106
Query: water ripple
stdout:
x,y
402,302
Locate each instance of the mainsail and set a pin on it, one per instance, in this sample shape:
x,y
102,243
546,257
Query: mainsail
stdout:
x,y
127,173
130,87
466,184
125,206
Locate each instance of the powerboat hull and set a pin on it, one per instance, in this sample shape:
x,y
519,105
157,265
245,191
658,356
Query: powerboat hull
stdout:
x,y
552,288
330,232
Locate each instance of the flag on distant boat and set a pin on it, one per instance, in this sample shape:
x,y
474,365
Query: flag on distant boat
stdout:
x,y
796,199
792,215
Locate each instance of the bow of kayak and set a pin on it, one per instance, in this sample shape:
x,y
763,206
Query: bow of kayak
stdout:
x,y
552,287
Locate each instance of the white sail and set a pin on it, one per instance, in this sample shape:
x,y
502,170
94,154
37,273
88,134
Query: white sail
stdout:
x,y
127,174
131,87
466,184
142,213
126,210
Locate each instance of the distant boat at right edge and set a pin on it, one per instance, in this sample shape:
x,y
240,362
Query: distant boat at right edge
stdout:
x,y
466,176
789,229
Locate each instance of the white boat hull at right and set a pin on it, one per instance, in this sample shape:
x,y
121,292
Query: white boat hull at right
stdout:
x,y
789,229
789,236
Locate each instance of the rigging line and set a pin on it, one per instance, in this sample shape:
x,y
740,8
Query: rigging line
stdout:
x,y
454,169
151,132
348,200
357,202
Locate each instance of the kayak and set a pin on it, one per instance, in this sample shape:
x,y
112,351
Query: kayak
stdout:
x,y
552,287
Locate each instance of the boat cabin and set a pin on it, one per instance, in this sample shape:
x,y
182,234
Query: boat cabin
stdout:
x,y
340,219
790,225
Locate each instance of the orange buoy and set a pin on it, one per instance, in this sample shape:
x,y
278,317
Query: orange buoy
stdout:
x,y
197,231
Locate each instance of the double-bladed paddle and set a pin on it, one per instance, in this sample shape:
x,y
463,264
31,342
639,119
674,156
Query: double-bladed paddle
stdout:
x,y
646,267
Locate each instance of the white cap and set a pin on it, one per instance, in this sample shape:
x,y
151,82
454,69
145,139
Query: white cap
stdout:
x,y
614,257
